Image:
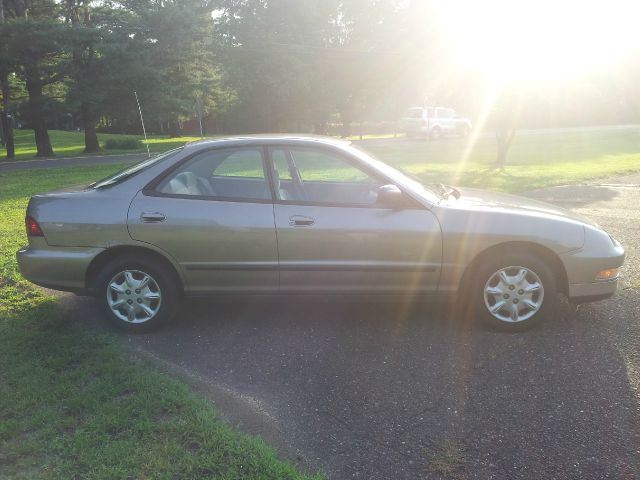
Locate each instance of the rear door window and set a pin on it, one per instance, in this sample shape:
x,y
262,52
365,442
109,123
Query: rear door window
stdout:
x,y
220,173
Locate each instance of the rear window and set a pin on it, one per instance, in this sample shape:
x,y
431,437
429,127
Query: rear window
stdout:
x,y
134,169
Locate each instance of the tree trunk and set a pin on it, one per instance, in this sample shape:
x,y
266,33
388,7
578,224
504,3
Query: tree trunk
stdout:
x,y
501,159
7,133
38,120
345,117
504,138
5,122
91,144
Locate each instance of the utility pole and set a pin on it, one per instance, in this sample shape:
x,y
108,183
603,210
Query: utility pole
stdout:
x,y
7,127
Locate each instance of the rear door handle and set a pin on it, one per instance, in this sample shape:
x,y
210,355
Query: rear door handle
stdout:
x,y
154,217
301,221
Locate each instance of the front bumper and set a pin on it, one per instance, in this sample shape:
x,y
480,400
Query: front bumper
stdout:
x,y
600,252
591,292
58,268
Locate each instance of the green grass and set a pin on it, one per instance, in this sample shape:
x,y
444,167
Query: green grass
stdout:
x,y
71,144
73,405
536,160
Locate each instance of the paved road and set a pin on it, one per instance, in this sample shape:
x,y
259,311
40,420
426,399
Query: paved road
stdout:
x,y
374,390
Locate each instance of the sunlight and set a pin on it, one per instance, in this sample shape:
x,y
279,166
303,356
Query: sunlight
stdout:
x,y
546,39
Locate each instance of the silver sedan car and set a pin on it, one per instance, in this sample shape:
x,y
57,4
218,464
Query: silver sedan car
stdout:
x,y
290,215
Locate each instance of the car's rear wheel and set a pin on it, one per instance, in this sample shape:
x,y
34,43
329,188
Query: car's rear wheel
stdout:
x,y
514,291
136,294
436,133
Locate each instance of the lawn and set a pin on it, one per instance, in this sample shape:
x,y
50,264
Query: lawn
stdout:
x,y
71,144
536,159
73,405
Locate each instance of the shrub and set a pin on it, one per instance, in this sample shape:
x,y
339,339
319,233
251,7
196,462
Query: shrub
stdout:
x,y
127,143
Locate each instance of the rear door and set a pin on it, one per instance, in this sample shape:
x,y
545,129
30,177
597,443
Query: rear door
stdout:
x,y
214,216
333,237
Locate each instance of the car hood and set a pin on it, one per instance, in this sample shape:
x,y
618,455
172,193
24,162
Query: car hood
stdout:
x,y
482,200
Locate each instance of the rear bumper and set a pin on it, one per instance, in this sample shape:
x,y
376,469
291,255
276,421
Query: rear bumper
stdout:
x,y
59,268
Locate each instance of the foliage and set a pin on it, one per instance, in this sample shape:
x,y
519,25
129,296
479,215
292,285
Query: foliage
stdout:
x,y
92,56
124,143
260,66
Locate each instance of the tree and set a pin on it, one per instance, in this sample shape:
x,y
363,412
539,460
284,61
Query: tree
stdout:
x,y
179,48
506,115
32,40
88,81
277,58
5,68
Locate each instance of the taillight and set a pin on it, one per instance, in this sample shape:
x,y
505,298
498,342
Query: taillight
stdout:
x,y
33,229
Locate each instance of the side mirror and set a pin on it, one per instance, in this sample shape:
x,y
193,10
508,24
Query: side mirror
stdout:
x,y
390,196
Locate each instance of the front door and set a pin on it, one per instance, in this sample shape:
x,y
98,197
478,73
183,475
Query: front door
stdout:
x,y
214,216
334,237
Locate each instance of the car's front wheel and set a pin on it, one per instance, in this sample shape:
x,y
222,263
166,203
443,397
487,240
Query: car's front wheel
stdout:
x,y
514,291
136,295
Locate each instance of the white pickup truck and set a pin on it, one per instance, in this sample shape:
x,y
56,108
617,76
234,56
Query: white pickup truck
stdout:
x,y
434,123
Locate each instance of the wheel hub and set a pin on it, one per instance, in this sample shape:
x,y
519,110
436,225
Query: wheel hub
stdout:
x,y
134,296
513,294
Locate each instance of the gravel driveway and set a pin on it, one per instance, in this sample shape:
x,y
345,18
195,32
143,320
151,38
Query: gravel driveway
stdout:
x,y
378,390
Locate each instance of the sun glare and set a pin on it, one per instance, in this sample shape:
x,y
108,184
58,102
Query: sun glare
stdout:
x,y
542,39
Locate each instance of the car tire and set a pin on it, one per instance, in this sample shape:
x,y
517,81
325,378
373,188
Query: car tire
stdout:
x,y
436,133
513,291
136,294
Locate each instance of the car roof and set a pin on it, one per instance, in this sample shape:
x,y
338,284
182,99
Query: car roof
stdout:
x,y
267,139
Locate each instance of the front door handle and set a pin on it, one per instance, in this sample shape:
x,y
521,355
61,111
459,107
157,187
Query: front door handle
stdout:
x,y
154,217
301,221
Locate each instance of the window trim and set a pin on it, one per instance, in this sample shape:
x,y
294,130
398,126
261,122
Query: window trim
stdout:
x,y
412,204
150,189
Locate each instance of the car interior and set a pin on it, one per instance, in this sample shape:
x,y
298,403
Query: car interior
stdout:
x,y
239,174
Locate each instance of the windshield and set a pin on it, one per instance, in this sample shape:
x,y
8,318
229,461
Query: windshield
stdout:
x,y
132,170
407,180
